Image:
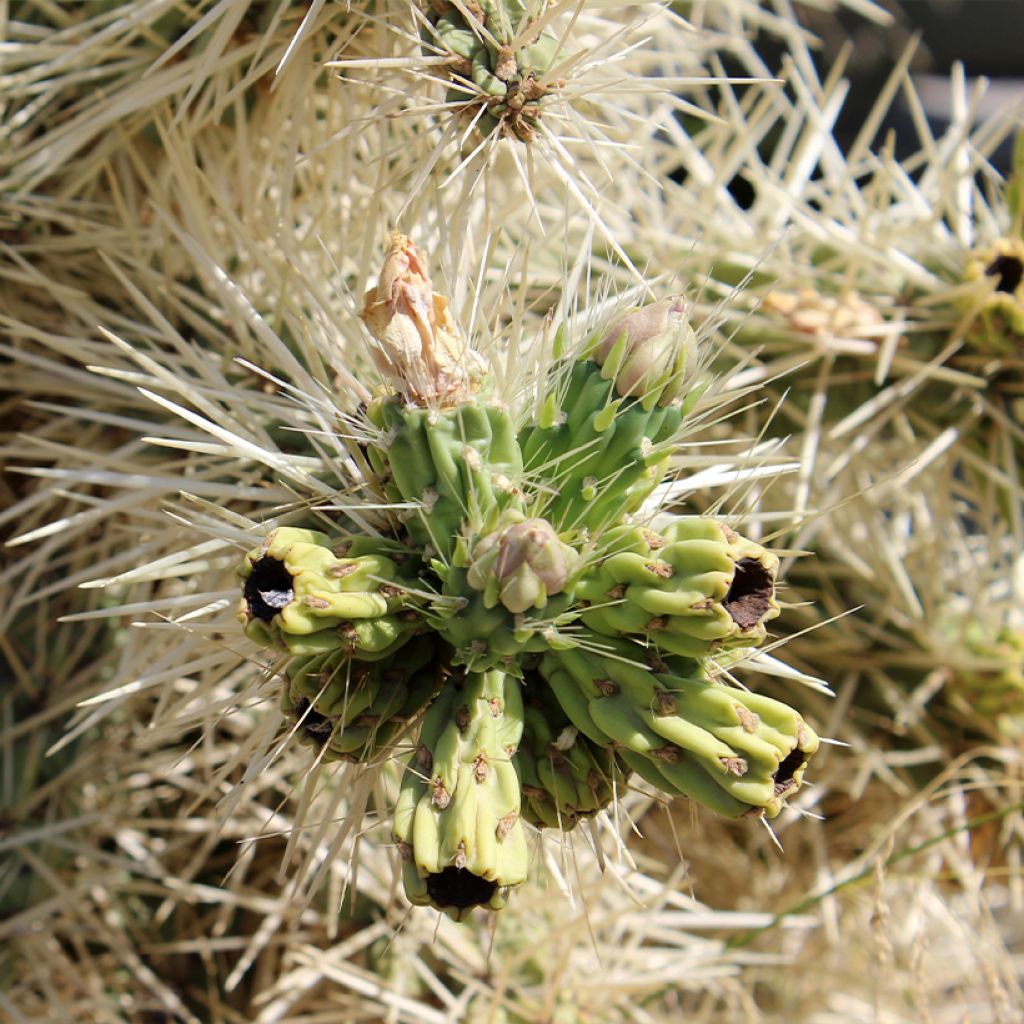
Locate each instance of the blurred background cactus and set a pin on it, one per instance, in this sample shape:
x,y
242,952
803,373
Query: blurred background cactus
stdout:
x,y
541,457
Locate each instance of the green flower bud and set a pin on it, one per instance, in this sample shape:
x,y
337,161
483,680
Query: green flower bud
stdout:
x,y
520,564
649,352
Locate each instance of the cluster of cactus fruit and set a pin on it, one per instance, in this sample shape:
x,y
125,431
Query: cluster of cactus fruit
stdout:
x,y
522,630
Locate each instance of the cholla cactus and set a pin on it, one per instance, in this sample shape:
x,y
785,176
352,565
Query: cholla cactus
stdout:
x,y
204,153
988,676
499,57
523,582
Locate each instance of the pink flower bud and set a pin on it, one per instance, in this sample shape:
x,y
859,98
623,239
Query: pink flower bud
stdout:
x,y
521,565
649,351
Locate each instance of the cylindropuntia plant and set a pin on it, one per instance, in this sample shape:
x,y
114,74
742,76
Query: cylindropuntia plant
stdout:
x,y
603,627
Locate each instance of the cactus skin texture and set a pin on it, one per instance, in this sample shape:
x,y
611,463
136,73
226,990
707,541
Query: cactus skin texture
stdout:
x,y
297,595
732,751
694,588
565,777
605,453
457,819
497,63
451,464
355,710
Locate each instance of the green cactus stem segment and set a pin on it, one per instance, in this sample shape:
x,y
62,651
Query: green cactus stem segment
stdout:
x,y
453,465
299,596
565,778
357,709
605,454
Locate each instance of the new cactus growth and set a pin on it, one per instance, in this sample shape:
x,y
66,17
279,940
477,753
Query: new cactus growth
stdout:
x,y
499,57
605,442
520,564
517,572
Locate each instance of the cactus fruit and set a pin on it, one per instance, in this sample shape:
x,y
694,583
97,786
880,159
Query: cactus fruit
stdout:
x,y
565,777
516,572
996,303
498,60
734,751
694,588
989,676
299,596
457,821
351,710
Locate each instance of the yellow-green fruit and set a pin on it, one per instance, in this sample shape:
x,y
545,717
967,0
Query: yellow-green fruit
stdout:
x,y
355,710
990,678
997,302
564,776
298,595
733,751
694,588
457,819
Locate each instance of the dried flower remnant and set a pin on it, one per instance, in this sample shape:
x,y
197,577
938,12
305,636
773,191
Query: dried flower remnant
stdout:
x,y
419,348
826,317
